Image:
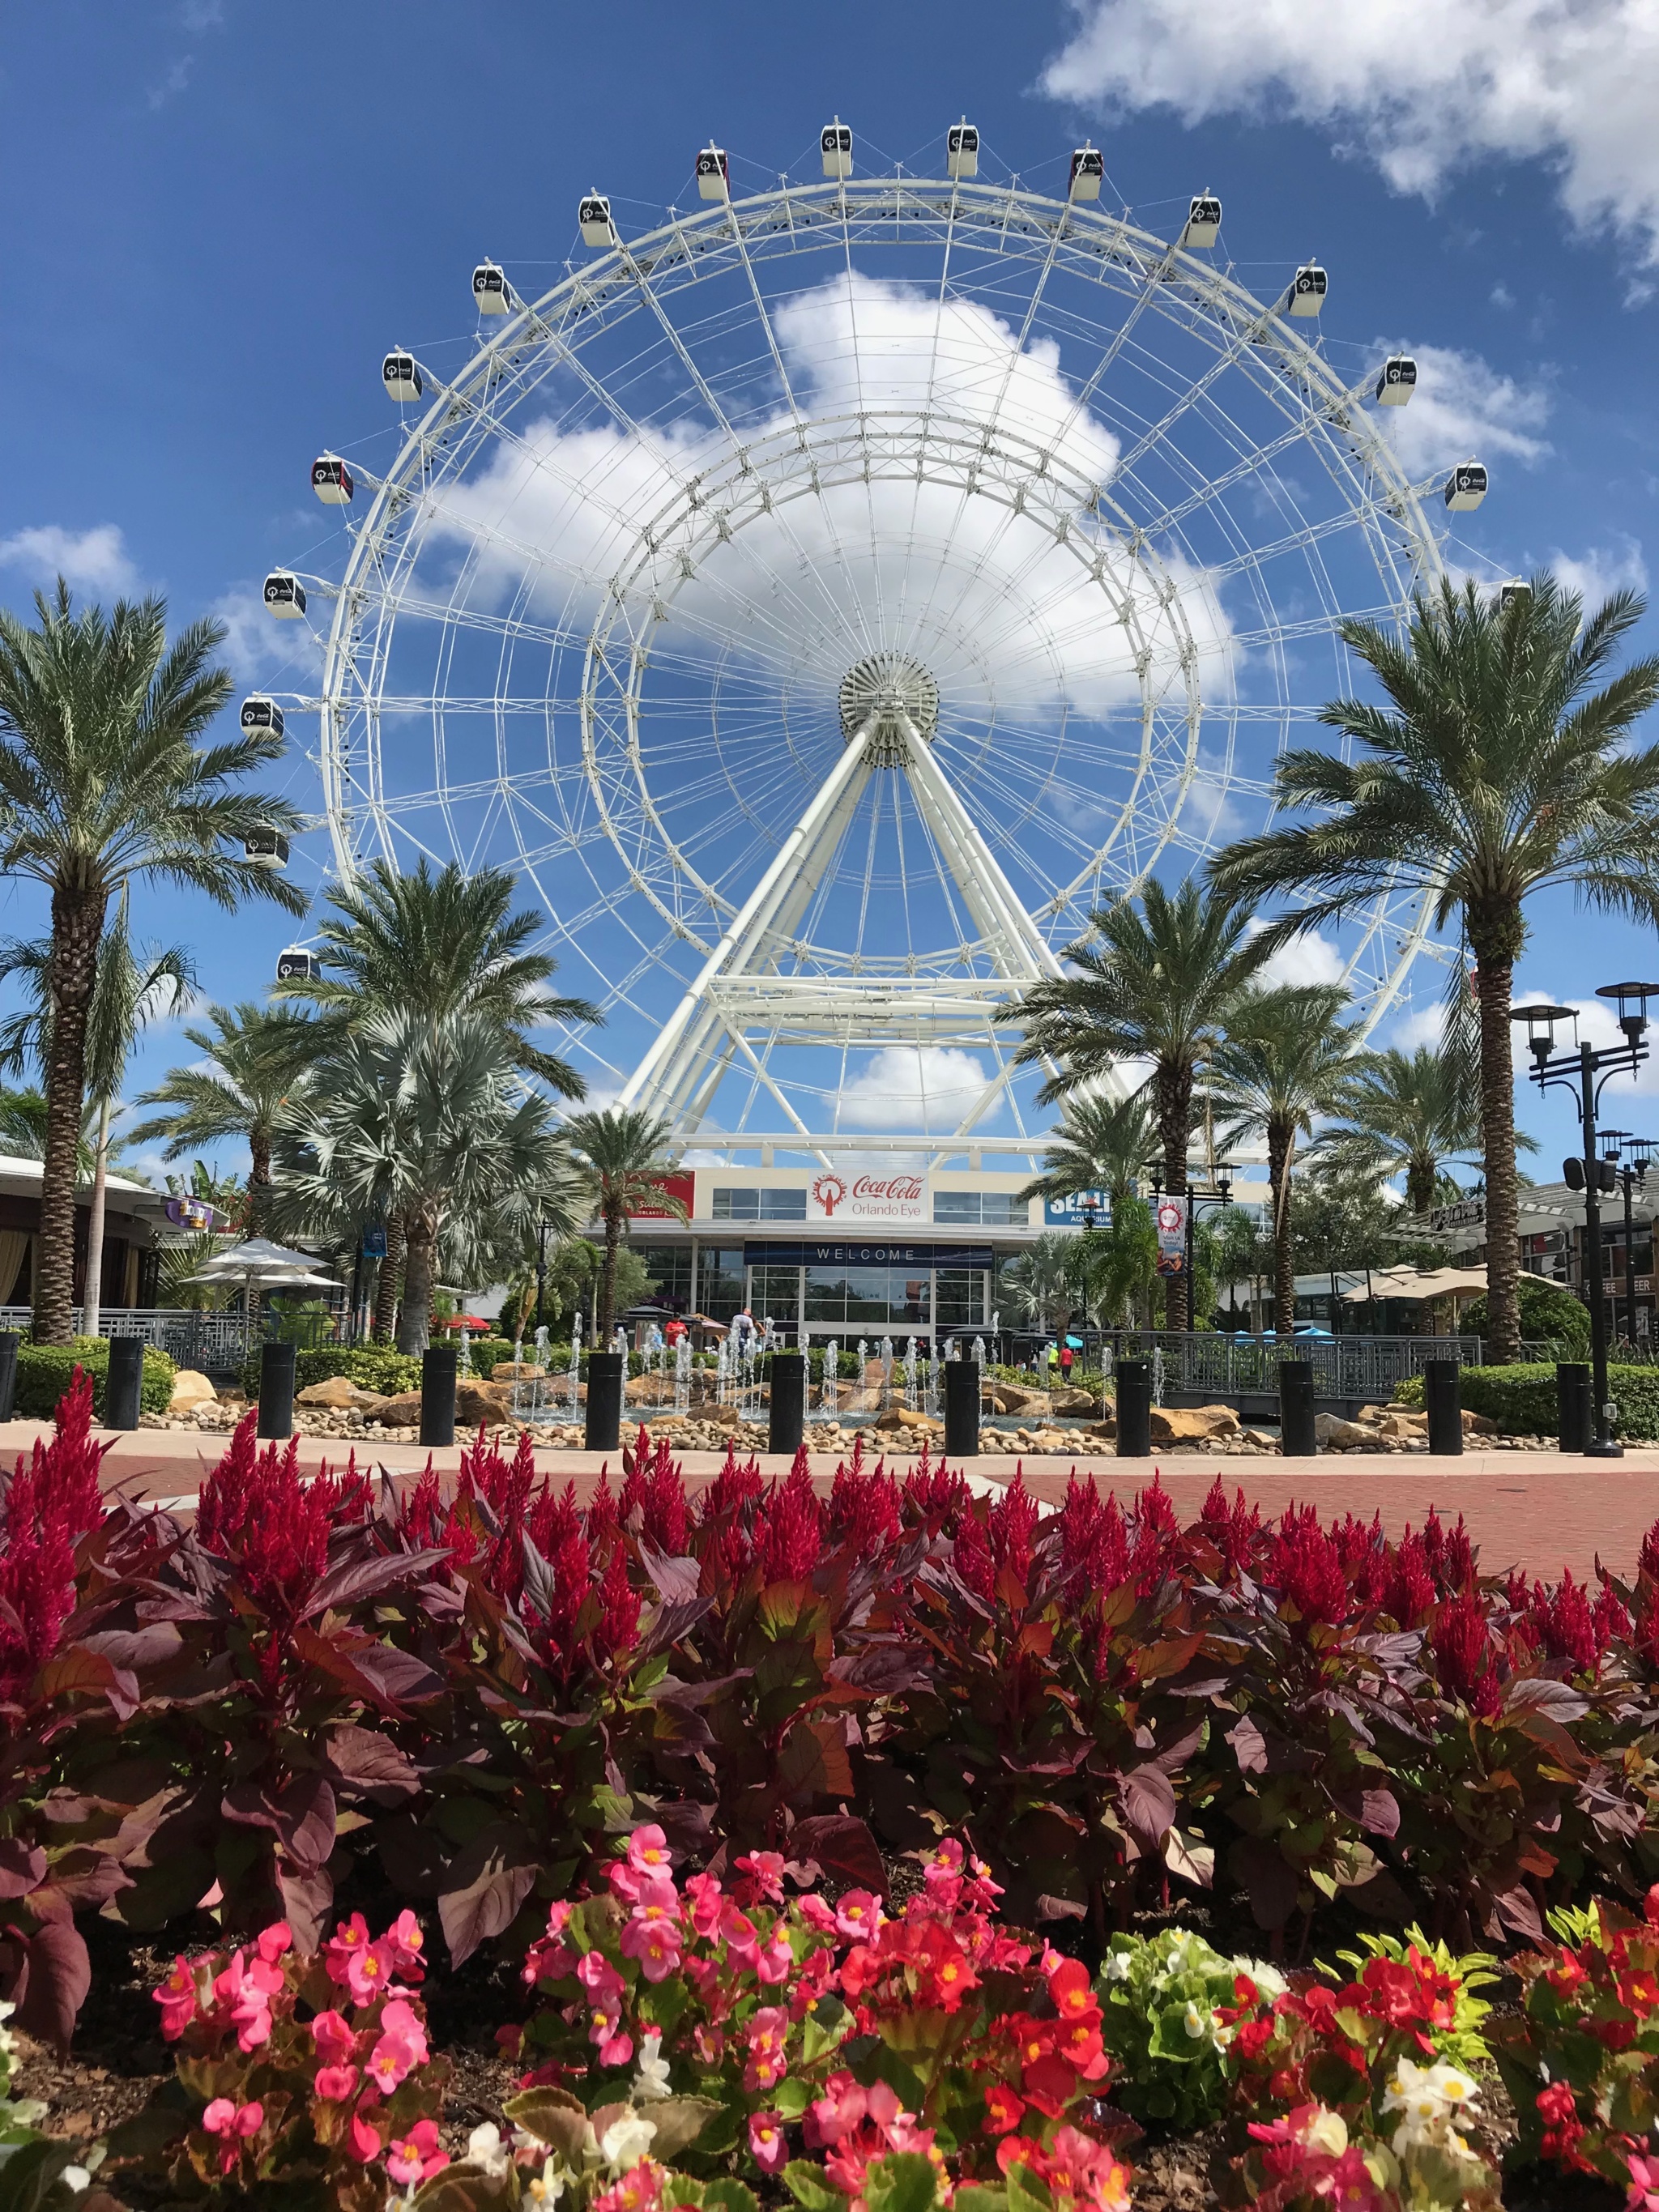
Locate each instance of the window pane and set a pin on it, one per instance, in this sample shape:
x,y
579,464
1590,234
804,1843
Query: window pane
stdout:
x,y
957,1205
783,1206
719,1281
776,1293
668,1267
826,1294
958,1299
736,1205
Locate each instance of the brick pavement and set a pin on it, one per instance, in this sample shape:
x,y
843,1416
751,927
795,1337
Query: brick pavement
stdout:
x,y
1542,1510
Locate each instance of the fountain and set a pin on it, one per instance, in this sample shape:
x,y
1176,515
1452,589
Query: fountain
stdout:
x,y
886,1372
576,1363
910,1375
831,1393
682,1375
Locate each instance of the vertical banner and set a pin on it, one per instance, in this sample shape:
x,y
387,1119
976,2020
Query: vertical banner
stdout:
x,y
1171,1219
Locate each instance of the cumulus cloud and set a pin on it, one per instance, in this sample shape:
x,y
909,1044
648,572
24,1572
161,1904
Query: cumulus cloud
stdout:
x,y
1604,569
1305,960
259,649
1005,617
1428,86
905,1086
1465,409
89,561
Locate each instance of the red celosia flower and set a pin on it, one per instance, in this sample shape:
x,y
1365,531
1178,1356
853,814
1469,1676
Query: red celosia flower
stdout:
x,y
789,1527
1462,1652
45,1509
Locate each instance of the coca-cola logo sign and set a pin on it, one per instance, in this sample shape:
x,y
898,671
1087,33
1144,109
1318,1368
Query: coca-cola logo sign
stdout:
x,y
868,1197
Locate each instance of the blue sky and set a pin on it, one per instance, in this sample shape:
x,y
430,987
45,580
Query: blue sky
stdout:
x,y
219,216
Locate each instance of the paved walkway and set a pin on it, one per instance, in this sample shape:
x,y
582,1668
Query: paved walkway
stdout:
x,y
1541,1511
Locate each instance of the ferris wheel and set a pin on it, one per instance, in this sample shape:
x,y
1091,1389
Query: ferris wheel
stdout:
x,y
829,596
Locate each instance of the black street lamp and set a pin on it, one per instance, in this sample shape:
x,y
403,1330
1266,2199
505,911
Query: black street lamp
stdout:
x,y
1631,1174
1220,1193
541,1266
1586,1073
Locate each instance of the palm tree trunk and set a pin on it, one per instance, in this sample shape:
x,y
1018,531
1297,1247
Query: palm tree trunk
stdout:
x,y
386,1284
1419,1183
1279,1182
1493,981
259,1180
77,924
94,1300
1173,1091
607,1314
414,1326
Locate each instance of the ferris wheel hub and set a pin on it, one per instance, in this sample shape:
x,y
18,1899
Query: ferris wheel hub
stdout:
x,y
887,697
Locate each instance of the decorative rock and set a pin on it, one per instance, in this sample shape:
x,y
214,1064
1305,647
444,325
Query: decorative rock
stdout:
x,y
1331,1429
340,1391
191,1388
1201,1424
402,1412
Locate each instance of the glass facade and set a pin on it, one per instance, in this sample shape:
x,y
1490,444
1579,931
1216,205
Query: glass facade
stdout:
x,y
668,1267
827,1299
719,1280
759,1205
775,1294
982,1209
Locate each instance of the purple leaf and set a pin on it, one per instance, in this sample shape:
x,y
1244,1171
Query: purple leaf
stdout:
x,y
397,1677
308,1893
22,1868
1249,1747
361,1578
1517,1908
57,1975
843,1847
305,1819
675,1580
1149,1805
1269,1878
1551,1700
487,1905
1379,1814
364,1760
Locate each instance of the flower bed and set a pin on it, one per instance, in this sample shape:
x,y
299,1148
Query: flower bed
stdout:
x,y
337,1697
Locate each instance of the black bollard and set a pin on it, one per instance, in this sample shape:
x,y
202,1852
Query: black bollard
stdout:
x,y
123,1385
1443,1393
1297,1437
1572,1394
605,1371
275,1391
786,1411
962,1384
438,1394
1133,1383
9,1340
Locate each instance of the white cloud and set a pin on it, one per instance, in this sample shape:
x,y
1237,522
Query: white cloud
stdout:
x,y
1601,571
903,1086
1429,86
1303,961
1464,408
260,649
1014,622
173,83
88,560
1423,1025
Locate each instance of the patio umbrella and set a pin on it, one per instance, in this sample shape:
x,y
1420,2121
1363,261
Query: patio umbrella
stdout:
x,y
257,1264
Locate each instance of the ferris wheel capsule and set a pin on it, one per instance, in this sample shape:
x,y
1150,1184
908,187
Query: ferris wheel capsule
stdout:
x,y
836,144
285,595
1513,588
260,713
295,965
593,220
1203,221
401,378
962,151
265,848
331,480
1397,382
713,174
1307,294
1087,167
1465,487
490,290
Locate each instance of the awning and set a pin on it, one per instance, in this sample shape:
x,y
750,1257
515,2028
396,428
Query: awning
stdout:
x,y
1414,1282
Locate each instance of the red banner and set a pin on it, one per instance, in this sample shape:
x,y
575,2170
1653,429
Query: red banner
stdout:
x,y
676,1185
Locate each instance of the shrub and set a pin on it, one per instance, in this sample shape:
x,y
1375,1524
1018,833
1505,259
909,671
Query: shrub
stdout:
x,y
1549,1315
373,1366
1521,1399
46,1372
304,2083
486,1354
1159,1999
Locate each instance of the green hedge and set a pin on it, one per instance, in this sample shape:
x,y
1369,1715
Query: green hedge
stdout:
x,y
488,1353
373,1366
1521,1399
45,1372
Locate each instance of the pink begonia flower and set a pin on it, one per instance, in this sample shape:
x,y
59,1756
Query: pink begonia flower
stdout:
x,y
406,1939
334,2084
655,1944
741,1938
648,1851
765,1872
769,2032
415,2156
371,1972
776,1962
707,1902
817,1914
857,1915
1643,2172
365,2140
944,1863
399,2017
615,2045
349,1937
767,2146
275,1941
599,1979
335,2041
390,2060
223,2116
178,1997
837,2112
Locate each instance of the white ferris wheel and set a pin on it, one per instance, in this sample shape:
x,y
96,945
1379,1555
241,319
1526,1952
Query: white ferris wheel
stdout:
x,y
827,597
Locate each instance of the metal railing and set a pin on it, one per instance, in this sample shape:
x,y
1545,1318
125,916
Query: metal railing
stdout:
x,y
1363,1367
218,1342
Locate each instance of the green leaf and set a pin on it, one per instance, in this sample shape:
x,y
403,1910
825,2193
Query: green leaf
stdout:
x,y
1027,2192
793,2098
29,2173
884,2065
553,2117
903,2181
977,2198
679,2121
730,2195
806,2185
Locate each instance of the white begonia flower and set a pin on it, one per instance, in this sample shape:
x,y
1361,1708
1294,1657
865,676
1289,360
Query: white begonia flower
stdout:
x,y
1115,1966
1195,2023
485,2148
627,2141
1268,1979
1428,2099
652,2079
1327,2131
75,2179
547,2187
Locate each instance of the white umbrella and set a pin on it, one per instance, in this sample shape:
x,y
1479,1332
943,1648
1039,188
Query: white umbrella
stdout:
x,y
257,1257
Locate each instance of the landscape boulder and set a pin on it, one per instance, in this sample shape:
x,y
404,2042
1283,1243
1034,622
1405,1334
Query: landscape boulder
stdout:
x,y
1192,1425
338,1393
1069,1400
1331,1429
191,1388
401,1412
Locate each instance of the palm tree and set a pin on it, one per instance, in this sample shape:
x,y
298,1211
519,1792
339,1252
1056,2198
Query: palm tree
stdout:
x,y
430,1122
1491,769
1157,977
1101,1144
102,784
437,945
256,1062
1043,1282
1118,1262
622,1151
132,988
1410,1113
1286,1060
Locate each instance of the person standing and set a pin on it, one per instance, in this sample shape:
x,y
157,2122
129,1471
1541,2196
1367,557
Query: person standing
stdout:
x,y
1066,1363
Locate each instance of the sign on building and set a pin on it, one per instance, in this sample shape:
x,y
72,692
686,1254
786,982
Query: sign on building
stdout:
x,y
1084,1209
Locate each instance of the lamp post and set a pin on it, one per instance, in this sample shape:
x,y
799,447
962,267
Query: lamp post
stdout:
x,y
541,1266
1586,1073
1631,1173
1220,1193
